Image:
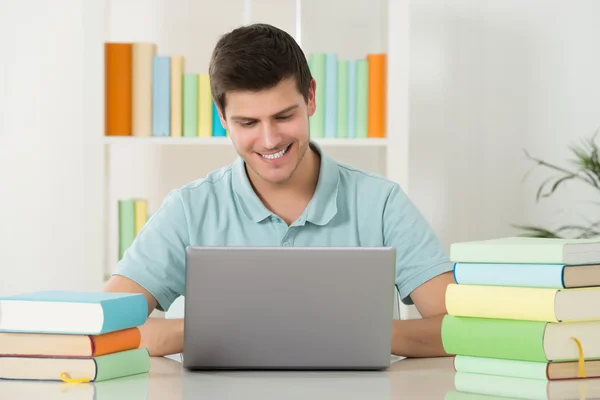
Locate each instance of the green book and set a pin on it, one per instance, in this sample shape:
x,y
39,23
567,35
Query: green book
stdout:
x,y
190,105
342,97
317,120
126,225
528,250
520,339
90,369
362,99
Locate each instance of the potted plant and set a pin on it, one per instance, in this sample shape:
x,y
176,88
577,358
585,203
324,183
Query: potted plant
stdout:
x,y
586,170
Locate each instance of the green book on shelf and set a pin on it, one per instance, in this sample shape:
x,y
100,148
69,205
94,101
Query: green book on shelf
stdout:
x,y
362,98
190,105
126,225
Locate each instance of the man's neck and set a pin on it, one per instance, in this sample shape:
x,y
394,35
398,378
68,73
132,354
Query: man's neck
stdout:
x,y
301,185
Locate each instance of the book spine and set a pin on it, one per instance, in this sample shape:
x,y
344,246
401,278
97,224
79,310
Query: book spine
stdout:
x,y
510,274
124,313
161,96
118,89
503,302
331,81
377,95
317,70
494,338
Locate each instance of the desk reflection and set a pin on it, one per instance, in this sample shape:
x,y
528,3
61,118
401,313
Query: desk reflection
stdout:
x,y
132,387
470,386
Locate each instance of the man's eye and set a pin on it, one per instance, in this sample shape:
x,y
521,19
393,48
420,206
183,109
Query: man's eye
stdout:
x,y
248,124
284,117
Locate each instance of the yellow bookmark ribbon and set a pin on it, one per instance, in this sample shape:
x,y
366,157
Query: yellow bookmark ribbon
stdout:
x,y
66,378
581,372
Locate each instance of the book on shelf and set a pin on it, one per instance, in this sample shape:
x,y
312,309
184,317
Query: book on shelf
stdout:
x,y
150,94
132,216
351,101
72,336
525,306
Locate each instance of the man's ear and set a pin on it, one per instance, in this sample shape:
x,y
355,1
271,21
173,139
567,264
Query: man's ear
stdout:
x,y
222,117
312,99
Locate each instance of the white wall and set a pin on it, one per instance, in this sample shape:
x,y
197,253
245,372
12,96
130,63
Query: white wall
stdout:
x,y
488,79
41,148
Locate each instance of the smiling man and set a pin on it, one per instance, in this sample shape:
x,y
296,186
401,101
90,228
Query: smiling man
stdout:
x,y
282,191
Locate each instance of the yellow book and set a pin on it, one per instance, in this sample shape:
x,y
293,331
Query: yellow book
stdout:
x,y
141,88
176,96
204,106
523,303
141,214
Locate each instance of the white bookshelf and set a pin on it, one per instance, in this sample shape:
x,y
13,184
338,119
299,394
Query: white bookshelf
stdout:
x,y
149,167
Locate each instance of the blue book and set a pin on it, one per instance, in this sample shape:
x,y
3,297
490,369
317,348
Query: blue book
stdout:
x,y
352,98
217,128
331,70
161,96
65,312
552,276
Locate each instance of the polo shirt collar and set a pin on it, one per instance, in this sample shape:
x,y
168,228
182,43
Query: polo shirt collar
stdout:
x,y
320,210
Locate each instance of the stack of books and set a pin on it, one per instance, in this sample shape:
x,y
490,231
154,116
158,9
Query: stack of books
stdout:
x,y
72,336
523,308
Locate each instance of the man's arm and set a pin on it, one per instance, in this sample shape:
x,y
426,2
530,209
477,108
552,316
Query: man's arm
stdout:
x,y
423,272
160,336
423,337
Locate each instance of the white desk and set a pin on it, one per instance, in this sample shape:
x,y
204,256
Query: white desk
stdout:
x,y
419,379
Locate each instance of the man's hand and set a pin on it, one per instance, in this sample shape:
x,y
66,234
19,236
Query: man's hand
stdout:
x,y
160,336
423,337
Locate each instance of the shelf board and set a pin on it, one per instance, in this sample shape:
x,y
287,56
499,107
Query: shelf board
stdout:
x,y
224,141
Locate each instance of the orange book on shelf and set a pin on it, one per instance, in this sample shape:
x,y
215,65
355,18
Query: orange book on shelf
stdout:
x,y
118,88
63,345
377,109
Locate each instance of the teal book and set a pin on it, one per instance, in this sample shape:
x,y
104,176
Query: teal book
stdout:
x,y
92,369
70,312
190,105
331,98
217,127
552,276
161,96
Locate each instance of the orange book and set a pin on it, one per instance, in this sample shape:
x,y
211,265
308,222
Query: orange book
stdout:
x,y
75,346
377,110
118,89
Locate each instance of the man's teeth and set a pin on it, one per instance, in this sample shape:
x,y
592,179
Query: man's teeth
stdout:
x,y
275,155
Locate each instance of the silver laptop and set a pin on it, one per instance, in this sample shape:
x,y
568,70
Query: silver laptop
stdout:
x,y
300,308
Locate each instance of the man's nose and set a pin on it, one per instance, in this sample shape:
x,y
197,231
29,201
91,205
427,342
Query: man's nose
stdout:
x,y
271,137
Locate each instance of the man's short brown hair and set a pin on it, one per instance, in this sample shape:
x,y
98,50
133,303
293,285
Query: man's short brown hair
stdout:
x,y
256,57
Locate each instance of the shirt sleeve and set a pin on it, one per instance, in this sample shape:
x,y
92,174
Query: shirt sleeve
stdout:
x,y
156,259
419,253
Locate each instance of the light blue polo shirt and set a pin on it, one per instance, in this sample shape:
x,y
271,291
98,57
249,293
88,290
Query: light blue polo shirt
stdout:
x,y
350,207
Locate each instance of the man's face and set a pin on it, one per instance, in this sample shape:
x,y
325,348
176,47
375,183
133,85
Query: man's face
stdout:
x,y
270,129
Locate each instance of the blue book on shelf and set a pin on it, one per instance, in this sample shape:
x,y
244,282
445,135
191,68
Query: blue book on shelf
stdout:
x,y
352,98
69,312
331,70
161,96
217,128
